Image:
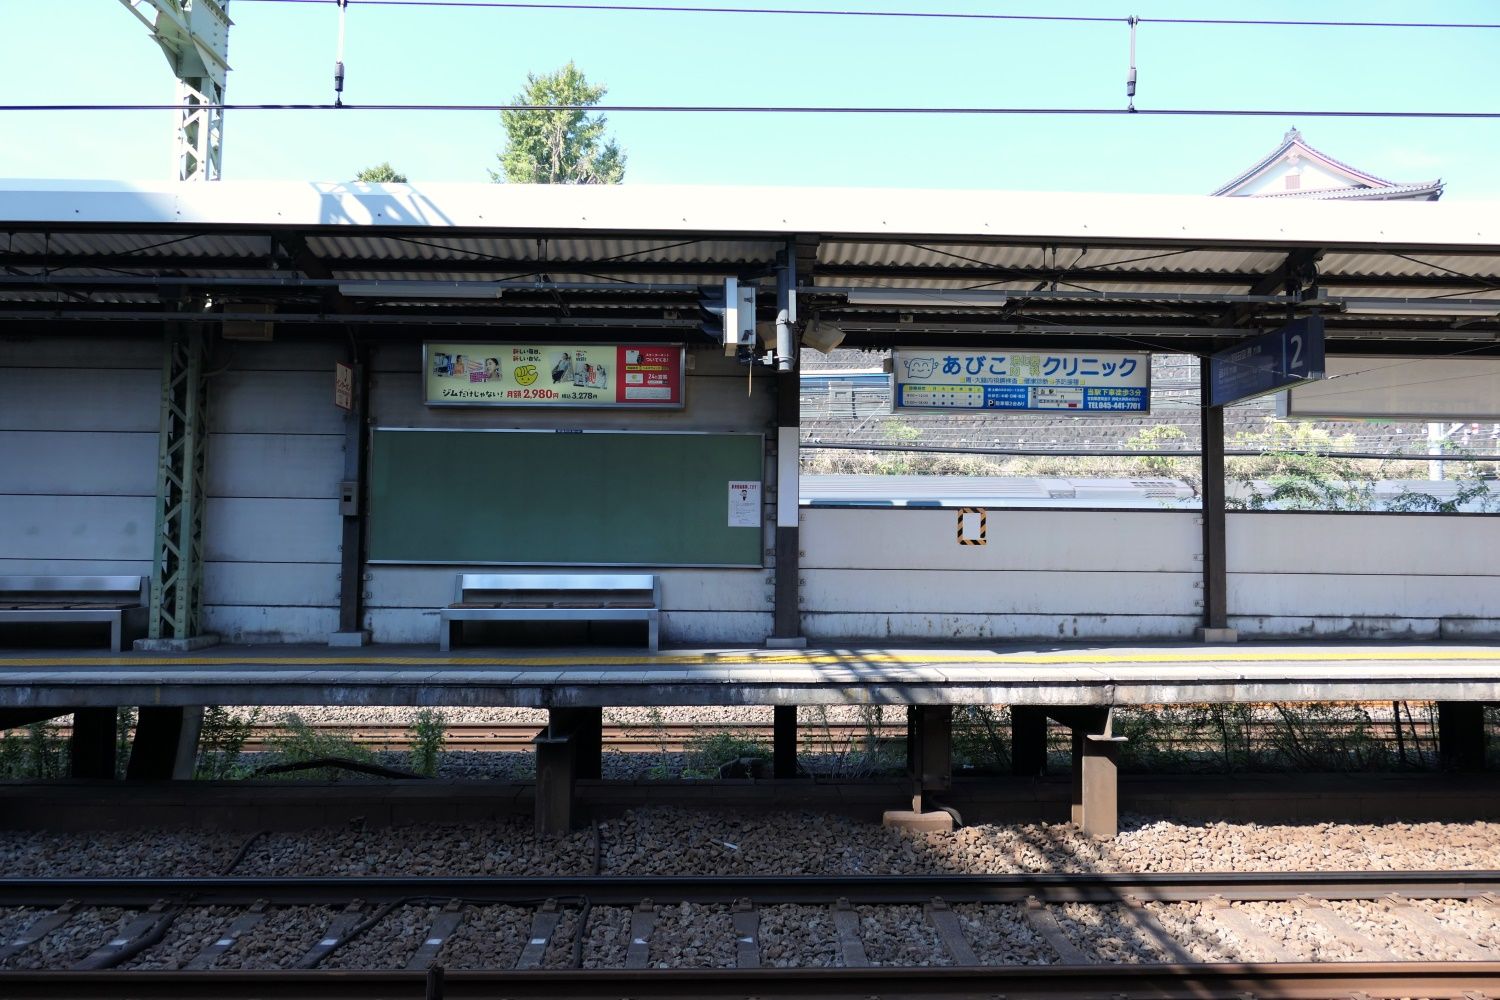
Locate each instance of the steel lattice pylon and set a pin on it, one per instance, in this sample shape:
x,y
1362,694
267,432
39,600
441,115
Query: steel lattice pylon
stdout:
x,y
177,566
194,36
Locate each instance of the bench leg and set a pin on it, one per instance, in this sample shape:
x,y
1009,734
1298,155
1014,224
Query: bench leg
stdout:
x,y
445,635
117,633
653,634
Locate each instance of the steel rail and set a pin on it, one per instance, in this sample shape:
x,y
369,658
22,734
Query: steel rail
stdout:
x,y
604,890
1264,981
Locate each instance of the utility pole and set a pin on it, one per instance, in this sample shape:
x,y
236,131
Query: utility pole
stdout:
x,y
194,36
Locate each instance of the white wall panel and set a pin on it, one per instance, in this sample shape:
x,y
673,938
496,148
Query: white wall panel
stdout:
x,y
876,627
275,465
289,355
1430,544
100,463
260,402
271,584
244,530
1365,596
270,625
75,567
123,350
64,527
1067,540
978,592
95,399
1342,627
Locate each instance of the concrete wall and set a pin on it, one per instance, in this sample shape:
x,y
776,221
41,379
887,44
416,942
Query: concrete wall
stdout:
x,y
1409,576
1045,574
699,605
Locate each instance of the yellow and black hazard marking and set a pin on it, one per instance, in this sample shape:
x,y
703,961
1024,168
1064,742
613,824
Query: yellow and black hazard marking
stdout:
x,y
979,539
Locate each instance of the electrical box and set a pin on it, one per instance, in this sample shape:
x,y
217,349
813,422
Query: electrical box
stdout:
x,y
349,499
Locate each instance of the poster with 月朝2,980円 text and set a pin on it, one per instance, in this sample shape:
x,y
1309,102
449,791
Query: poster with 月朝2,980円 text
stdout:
x,y
645,376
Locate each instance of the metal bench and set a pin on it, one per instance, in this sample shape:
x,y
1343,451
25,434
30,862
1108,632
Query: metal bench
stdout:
x,y
119,600
488,597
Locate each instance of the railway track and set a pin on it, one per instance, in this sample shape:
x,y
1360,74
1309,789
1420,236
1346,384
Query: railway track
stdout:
x,y
555,921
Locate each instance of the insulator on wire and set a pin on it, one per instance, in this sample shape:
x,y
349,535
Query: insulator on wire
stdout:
x,y
338,64
1132,20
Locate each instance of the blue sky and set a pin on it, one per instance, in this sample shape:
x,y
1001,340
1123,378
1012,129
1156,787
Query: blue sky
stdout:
x,y
94,51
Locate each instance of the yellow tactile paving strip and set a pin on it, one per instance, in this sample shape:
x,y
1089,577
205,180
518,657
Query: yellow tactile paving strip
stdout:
x,y
786,659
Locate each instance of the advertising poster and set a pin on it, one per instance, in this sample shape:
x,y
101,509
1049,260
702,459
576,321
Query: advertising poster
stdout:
x,y
617,375
1053,381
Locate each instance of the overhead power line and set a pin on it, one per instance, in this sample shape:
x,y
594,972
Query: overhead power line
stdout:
x,y
775,109
930,15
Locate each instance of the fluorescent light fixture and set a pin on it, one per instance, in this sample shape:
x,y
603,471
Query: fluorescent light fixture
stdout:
x,y
1422,307
420,289
925,297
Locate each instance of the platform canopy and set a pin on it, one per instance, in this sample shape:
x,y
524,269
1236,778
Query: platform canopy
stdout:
x,y
881,266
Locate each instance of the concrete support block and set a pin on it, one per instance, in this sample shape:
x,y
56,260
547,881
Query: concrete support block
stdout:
x,y
784,741
1461,742
166,744
1028,741
349,639
585,727
91,749
554,785
784,642
1216,635
936,821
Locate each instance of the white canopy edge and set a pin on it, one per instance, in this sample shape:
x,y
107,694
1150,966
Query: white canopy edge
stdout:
x,y
846,213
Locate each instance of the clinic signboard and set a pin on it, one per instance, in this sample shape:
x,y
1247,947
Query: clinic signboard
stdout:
x,y
625,376
1292,355
1024,380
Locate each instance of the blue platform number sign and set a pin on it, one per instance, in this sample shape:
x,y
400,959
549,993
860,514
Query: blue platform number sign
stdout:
x,y
1288,356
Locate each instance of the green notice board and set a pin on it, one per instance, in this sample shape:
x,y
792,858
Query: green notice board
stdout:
x,y
561,498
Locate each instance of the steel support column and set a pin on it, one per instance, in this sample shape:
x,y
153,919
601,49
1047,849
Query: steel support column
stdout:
x,y
554,784
1215,627
166,744
1461,740
91,748
585,728
1028,741
352,508
182,449
787,627
929,750
784,741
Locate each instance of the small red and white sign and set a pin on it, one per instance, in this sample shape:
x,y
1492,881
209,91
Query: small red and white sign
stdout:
x,y
343,386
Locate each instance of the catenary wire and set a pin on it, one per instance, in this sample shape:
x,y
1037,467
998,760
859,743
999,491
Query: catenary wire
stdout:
x,y
774,109
931,15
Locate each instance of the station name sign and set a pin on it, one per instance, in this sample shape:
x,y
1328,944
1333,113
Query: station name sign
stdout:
x,y
1291,355
1054,381
636,376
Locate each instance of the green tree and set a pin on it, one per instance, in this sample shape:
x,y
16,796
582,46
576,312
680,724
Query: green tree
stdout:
x,y
381,173
558,146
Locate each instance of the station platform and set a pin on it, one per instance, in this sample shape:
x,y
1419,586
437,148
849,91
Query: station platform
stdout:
x,y
1092,675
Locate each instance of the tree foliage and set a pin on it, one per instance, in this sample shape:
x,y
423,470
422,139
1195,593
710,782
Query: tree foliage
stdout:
x,y
559,146
381,173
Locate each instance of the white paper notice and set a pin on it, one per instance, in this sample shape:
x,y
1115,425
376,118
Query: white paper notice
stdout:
x,y
744,505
